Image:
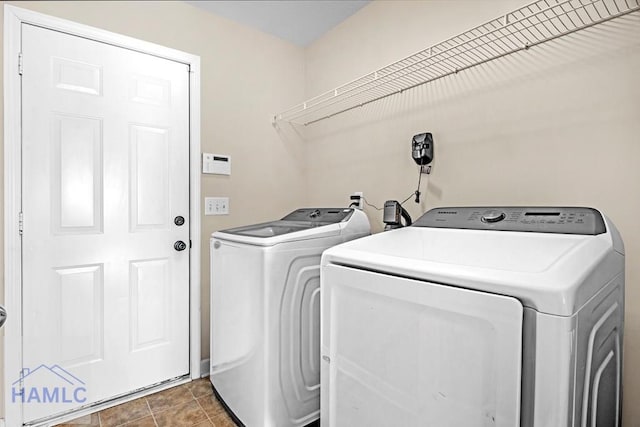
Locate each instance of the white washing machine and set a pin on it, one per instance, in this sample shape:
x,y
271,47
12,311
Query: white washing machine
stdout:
x,y
476,317
265,314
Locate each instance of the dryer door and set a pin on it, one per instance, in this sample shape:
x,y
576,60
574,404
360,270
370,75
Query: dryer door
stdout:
x,y
402,352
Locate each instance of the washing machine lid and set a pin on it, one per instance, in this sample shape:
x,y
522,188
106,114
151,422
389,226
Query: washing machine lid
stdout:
x,y
552,272
301,224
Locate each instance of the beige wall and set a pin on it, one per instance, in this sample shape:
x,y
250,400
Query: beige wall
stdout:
x,y
246,77
556,125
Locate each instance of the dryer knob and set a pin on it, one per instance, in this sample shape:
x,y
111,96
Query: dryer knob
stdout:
x,y
493,216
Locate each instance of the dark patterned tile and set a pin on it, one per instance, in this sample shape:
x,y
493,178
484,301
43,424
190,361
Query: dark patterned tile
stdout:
x,y
91,420
185,415
201,387
171,397
124,413
211,406
142,422
223,420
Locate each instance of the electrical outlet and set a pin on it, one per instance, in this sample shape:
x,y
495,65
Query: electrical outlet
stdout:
x,y
360,201
216,206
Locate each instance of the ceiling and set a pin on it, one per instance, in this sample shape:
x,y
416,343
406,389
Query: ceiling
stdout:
x,y
298,21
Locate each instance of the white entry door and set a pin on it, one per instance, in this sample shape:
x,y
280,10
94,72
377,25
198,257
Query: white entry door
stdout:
x,y
105,185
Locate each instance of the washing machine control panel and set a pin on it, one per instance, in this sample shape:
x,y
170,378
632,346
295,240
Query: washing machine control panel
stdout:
x,y
322,215
564,220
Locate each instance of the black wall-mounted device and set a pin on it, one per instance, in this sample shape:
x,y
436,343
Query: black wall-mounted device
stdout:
x,y
393,214
422,148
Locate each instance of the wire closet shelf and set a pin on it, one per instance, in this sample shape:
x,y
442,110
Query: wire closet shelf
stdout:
x,y
536,23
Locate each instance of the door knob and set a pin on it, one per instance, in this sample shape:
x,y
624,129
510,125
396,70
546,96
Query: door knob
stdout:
x,y
3,315
180,245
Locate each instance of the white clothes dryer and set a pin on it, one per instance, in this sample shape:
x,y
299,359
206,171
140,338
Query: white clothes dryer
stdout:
x,y
265,314
506,316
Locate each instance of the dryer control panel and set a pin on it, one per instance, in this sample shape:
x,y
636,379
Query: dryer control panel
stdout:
x,y
562,220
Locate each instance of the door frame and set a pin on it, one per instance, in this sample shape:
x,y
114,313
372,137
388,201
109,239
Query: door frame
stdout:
x,y
14,17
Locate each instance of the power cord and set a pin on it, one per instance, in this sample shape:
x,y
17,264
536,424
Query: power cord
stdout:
x,y
379,209
416,193
369,204
410,195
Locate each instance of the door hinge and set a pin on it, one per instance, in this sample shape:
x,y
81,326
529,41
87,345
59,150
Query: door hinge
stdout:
x,y
20,223
20,386
20,65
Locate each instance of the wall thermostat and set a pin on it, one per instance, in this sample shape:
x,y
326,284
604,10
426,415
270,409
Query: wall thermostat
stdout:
x,y
218,164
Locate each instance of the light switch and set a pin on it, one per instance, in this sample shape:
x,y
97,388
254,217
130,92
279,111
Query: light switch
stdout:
x,y
216,206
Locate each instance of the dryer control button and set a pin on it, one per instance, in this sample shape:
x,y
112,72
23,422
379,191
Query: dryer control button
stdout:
x,y
493,216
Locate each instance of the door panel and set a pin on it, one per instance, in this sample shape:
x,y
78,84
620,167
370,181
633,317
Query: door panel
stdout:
x,y
150,90
80,291
77,76
76,174
105,170
149,174
149,303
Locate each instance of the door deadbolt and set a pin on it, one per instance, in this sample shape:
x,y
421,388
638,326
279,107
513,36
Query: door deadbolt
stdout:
x,y
179,220
180,245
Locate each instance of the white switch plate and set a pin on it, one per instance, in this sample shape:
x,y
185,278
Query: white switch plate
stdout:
x,y
216,206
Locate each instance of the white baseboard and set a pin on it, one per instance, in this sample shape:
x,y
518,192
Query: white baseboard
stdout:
x,y
204,369
1,422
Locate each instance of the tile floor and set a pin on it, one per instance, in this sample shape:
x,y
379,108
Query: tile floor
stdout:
x,y
188,405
